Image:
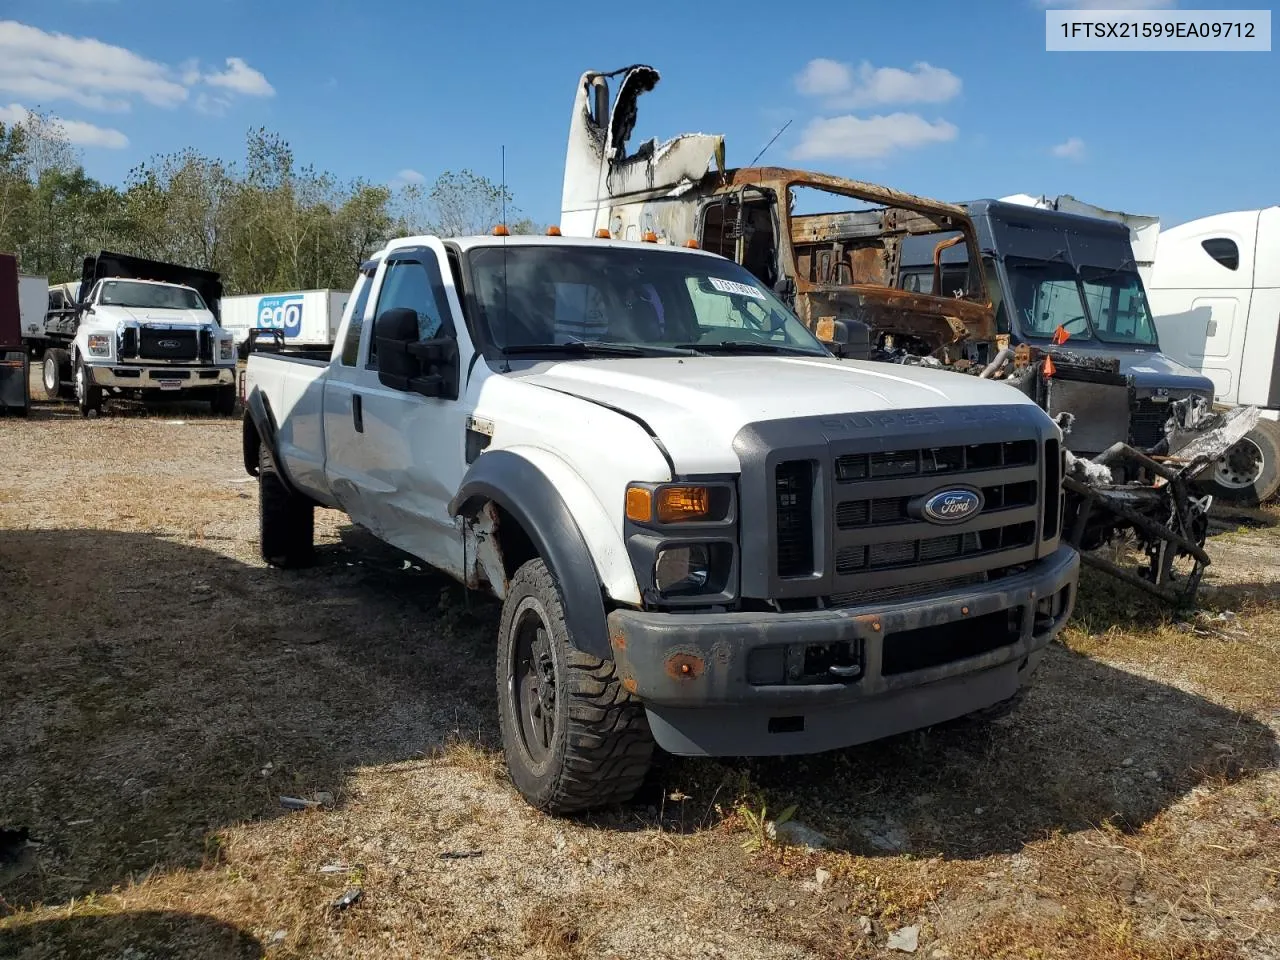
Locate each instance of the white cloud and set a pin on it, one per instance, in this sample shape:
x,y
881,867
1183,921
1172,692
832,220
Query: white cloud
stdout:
x,y
241,78
823,77
1106,4
189,71
93,74
76,131
1070,149
408,177
41,67
850,137
212,104
847,87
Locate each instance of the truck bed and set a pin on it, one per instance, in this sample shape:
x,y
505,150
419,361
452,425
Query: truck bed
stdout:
x,y
295,386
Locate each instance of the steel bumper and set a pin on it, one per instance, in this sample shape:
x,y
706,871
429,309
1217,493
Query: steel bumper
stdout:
x,y
699,674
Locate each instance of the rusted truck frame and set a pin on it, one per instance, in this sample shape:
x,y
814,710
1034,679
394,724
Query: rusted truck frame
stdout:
x,y
841,268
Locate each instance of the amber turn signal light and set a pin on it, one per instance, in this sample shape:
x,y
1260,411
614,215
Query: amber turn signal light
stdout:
x,y
639,504
683,503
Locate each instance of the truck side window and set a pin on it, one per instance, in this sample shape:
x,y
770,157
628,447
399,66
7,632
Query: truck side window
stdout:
x,y
1224,250
417,285
351,345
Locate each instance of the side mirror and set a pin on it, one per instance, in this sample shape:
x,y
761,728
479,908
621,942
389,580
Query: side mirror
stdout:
x,y
849,339
426,367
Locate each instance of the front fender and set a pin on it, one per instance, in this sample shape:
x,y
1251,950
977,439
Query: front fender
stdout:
x,y
579,543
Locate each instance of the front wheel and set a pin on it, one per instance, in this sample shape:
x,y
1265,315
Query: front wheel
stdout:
x,y
574,738
88,394
1249,473
223,403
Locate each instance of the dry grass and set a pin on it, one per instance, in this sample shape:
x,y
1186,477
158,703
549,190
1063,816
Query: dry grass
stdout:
x,y
162,690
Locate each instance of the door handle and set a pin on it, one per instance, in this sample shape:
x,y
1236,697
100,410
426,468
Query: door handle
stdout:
x,y
357,413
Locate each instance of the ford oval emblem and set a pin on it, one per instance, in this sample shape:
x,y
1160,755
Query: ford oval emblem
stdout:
x,y
170,344
952,506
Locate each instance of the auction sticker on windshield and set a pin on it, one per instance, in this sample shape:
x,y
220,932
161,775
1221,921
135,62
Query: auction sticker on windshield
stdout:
x,y
732,286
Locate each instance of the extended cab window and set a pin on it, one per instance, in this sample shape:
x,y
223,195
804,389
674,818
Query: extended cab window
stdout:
x,y
415,284
351,345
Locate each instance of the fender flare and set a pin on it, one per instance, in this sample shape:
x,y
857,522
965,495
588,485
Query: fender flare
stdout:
x,y
523,491
260,426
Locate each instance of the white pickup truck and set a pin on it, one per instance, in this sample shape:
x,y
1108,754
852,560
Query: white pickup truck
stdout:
x,y
705,529
145,329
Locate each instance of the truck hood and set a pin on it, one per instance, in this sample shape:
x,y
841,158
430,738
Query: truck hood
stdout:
x,y
1150,369
695,406
188,318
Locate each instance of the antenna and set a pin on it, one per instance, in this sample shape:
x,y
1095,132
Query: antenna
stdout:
x,y
506,310
769,144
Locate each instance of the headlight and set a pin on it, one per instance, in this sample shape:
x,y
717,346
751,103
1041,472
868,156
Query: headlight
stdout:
x,y
99,345
678,503
682,538
226,349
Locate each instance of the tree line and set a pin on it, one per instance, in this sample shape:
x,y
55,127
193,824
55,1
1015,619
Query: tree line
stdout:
x,y
265,222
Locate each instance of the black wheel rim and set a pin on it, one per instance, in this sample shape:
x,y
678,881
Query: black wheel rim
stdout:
x,y
532,685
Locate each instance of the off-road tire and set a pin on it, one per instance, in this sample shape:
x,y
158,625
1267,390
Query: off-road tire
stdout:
x,y
88,394
996,711
1265,436
286,522
55,365
223,403
600,745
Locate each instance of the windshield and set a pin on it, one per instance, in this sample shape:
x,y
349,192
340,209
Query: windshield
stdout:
x,y
1097,303
1118,310
649,299
126,293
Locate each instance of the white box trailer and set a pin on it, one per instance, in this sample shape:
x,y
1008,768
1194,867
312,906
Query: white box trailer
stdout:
x,y
307,318
33,304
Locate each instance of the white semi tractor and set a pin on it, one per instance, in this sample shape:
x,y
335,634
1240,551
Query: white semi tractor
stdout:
x,y
1213,285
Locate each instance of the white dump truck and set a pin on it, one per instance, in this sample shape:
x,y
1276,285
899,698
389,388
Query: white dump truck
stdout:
x,y
140,329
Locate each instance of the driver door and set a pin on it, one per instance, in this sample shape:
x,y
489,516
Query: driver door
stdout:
x,y
396,458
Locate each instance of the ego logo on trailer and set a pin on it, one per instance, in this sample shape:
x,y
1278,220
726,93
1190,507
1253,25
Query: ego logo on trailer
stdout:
x,y
281,313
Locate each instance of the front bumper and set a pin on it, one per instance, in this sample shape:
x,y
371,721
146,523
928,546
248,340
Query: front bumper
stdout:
x,y
131,376
699,675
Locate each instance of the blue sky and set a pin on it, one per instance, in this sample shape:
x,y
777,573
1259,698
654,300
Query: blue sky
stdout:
x,y
968,102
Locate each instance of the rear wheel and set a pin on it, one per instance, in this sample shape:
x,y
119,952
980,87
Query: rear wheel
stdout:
x,y
223,403
88,394
574,737
54,367
1249,473
286,521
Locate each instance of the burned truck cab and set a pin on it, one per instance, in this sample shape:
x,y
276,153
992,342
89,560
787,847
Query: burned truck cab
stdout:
x,y
830,247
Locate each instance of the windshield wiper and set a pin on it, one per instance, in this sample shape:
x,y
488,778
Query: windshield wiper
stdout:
x,y
603,348
745,346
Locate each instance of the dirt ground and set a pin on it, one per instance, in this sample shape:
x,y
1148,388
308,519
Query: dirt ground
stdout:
x,y
161,689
